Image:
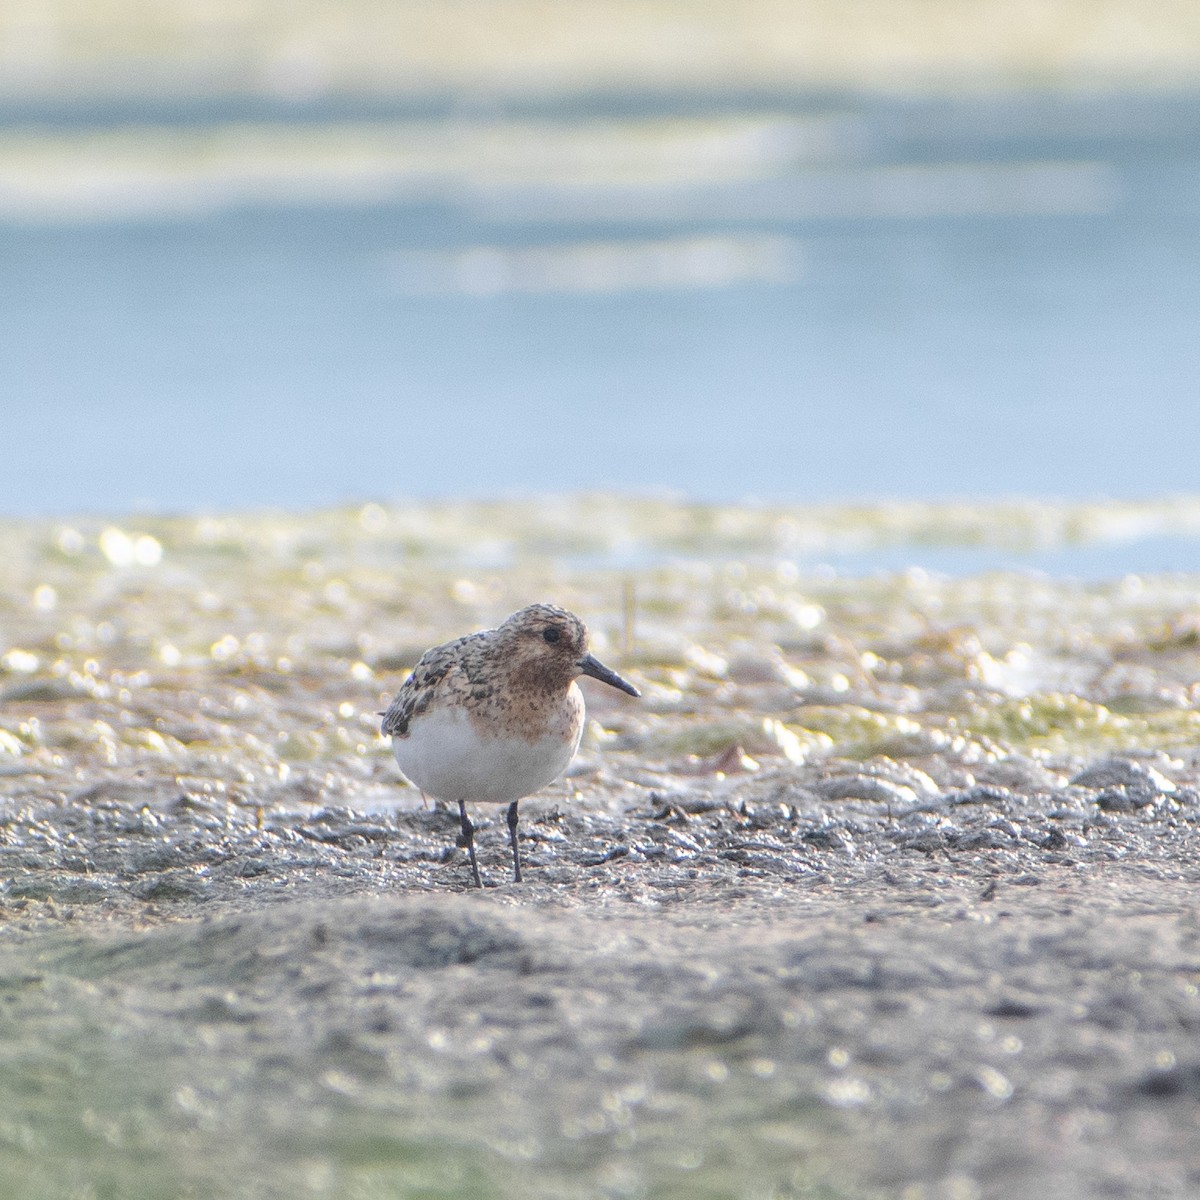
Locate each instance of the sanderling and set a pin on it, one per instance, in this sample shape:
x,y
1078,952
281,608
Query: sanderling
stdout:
x,y
491,717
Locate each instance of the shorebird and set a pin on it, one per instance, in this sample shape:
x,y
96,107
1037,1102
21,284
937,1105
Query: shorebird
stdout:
x,y
492,717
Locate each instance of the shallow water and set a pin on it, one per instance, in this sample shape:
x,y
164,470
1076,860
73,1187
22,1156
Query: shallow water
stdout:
x,y
767,293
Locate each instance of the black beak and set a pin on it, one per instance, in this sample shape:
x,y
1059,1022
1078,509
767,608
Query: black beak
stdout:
x,y
589,664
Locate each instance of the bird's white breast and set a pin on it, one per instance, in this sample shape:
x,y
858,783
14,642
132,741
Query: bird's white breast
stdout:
x,y
448,757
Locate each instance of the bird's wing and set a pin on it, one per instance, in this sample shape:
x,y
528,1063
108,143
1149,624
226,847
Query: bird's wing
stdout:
x,y
418,691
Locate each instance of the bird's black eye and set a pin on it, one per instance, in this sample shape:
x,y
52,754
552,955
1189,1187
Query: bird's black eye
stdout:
x,y
552,634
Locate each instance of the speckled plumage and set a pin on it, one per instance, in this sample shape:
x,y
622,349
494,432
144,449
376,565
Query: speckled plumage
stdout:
x,y
495,716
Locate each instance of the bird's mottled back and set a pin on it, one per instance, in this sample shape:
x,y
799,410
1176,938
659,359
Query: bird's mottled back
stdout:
x,y
418,690
538,647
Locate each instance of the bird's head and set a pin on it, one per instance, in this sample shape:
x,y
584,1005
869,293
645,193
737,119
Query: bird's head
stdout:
x,y
551,642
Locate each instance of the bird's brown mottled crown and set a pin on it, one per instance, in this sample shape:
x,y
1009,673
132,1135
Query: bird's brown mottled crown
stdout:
x,y
548,636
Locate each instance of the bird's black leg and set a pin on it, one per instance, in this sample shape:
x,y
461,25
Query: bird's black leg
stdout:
x,y
512,837
468,837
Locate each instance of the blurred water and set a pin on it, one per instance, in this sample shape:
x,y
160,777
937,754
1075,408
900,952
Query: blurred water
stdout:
x,y
794,298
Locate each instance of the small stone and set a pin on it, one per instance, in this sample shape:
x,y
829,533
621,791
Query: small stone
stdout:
x,y
1123,800
1123,773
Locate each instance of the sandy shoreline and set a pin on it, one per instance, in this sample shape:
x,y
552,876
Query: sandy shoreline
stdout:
x,y
513,47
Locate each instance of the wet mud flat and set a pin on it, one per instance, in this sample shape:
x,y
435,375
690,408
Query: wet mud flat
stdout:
x,y
991,994
885,888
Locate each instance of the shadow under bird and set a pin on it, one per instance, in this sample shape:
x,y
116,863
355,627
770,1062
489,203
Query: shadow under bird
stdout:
x,y
492,717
